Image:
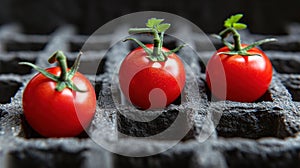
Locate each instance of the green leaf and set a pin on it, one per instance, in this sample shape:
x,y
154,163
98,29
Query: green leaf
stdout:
x,y
227,24
153,22
163,27
239,26
236,18
233,19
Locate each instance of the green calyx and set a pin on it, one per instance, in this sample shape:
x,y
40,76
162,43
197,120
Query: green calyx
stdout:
x,y
232,26
157,28
65,78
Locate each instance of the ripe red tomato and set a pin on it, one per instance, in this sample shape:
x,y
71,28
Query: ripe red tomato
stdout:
x,y
58,113
151,84
239,78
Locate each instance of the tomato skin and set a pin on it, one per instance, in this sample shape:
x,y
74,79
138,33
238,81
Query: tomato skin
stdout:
x,y
58,114
239,78
148,84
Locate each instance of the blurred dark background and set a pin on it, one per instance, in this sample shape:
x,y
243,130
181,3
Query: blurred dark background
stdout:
x,y
43,16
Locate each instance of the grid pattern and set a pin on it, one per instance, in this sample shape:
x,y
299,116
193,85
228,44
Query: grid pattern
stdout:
x,y
259,134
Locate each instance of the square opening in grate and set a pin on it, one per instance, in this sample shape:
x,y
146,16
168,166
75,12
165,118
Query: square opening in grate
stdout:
x,y
11,66
269,153
8,89
169,122
174,160
138,123
295,93
286,66
54,157
292,84
162,125
24,46
251,123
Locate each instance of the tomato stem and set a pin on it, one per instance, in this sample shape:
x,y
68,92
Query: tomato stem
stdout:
x,y
65,79
232,26
139,30
157,43
61,59
155,27
237,40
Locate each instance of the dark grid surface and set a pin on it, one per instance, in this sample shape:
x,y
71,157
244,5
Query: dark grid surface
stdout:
x,y
260,134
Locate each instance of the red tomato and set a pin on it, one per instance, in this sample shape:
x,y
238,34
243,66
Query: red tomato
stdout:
x,y
151,84
58,114
239,78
